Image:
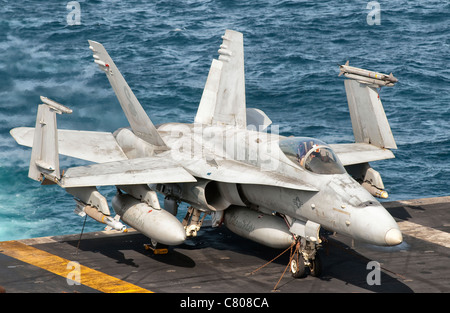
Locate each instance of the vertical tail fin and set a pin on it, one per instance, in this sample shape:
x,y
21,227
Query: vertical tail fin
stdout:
x,y
369,121
44,161
139,121
223,98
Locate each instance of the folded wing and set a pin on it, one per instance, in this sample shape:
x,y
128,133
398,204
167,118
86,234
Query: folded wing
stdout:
x,y
356,153
373,135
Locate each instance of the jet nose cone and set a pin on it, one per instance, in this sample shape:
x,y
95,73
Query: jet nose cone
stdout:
x,y
393,237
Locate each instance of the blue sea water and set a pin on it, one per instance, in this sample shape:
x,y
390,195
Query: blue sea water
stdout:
x,y
164,50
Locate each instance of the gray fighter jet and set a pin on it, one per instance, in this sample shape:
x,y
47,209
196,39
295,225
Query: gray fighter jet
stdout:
x,y
278,191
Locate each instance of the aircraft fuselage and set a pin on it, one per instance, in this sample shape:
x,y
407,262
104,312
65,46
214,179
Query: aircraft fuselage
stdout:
x,y
335,201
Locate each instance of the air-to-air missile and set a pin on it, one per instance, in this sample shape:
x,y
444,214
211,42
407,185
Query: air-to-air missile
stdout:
x,y
91,211
58,107
370,77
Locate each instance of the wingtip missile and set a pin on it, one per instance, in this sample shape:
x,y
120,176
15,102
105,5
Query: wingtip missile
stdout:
x,y
342,68
58,107
367,76
392,78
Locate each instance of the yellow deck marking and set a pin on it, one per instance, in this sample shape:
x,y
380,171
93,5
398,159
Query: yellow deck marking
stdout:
x,y
57,265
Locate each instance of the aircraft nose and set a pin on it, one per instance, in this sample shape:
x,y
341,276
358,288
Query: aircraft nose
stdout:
x,y
393,237
373,224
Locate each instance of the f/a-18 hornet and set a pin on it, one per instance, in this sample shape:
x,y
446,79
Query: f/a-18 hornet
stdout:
x,y
278,191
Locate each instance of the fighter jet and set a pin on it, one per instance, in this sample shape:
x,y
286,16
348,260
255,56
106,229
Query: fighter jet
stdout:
x,y
278,191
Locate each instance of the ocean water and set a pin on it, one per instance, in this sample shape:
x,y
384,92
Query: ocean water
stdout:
x,y
164,50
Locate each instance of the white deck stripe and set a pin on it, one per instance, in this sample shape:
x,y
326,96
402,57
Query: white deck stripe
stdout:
x,y
425,233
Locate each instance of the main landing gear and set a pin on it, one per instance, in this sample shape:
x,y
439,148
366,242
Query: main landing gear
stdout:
x,y
304,257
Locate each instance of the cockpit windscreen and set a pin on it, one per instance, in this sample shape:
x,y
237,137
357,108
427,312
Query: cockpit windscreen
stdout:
x,y
312,154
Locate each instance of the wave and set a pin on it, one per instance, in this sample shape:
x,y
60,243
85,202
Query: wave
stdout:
x,y
164,50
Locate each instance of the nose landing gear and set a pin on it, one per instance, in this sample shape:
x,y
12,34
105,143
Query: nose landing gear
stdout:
x,y
305,257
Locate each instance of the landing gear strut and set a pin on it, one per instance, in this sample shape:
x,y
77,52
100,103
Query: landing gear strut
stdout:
x,y
304,257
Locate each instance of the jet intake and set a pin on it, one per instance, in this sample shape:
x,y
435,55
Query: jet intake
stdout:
x,y
156,224
265,229
210,195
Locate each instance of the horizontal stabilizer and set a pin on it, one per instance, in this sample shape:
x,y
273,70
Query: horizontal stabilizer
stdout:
x,y
150,170
98,147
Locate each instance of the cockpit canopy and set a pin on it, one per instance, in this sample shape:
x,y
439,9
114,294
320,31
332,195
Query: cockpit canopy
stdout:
x,y
312,154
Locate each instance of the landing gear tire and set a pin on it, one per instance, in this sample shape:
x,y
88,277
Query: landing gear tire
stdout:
x,y
298,267
315,266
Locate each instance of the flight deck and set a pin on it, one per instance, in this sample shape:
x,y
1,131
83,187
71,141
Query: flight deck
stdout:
x,y
218,261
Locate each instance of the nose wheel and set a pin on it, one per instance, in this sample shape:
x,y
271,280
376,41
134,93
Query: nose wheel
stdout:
x,y
303,258
298,268
315,266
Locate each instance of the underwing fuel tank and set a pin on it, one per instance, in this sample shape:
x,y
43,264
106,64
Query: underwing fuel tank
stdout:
x,y
265,229
157,224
